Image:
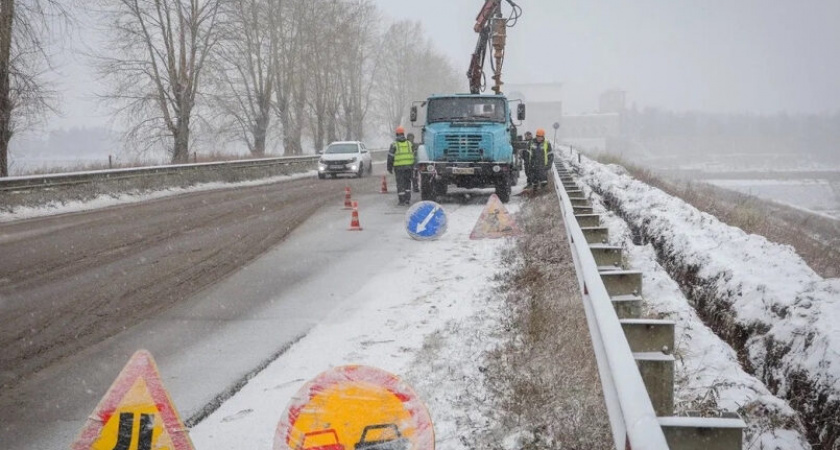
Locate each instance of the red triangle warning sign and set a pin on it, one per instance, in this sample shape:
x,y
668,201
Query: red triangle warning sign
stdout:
x,y
495,222
136,413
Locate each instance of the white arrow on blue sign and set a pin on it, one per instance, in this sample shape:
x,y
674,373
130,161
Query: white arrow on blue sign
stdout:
x,y
425,221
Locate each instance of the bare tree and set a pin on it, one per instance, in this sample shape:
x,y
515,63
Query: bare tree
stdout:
x,y
361,59
412,70
287,44
157,59
322,25
242,67
24,26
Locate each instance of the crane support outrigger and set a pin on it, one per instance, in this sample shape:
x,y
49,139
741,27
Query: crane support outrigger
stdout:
x,y
468,139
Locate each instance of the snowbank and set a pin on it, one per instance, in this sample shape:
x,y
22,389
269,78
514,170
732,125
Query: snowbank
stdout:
x,y
761,297
708,375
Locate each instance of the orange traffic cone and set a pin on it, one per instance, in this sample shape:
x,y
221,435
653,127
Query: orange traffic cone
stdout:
x,y
384,189
354,218
347,203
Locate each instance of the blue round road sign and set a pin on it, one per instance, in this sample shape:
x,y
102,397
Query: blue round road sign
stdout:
x,y
425,221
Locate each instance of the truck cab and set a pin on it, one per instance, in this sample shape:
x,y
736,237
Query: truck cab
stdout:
x,y
467,141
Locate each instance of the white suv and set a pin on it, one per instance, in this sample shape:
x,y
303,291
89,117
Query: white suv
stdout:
x,y
350,157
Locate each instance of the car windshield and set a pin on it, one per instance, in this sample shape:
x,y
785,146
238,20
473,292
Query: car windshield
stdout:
x,y
483,109
342,148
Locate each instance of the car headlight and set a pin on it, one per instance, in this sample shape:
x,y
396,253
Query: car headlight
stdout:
x,y
354,167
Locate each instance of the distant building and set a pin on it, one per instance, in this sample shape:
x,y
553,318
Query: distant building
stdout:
x,y
545,108
544,104
612,101
590,126
603,130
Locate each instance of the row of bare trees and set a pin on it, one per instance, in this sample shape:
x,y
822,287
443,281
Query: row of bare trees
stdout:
x,y
274,76
24,99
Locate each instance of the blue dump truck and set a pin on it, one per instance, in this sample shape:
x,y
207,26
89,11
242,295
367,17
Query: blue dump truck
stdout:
x,y
468,141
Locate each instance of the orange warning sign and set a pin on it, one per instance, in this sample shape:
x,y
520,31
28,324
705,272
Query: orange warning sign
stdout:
x,y
136,413
495,222
355,408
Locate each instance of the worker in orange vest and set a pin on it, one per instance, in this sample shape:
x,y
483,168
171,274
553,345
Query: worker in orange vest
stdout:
x,y
542,157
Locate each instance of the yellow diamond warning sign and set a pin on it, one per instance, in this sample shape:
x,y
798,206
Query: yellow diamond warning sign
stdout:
x,y
495,222
135,414
355,408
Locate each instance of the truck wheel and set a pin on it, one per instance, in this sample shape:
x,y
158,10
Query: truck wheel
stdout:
x,y
441,187
426,192
503,188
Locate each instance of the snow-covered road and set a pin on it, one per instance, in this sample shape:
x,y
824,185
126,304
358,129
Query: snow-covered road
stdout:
x,y
419,289
324,297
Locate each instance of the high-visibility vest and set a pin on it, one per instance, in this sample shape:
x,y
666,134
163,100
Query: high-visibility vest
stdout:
x,y
404,156
544,151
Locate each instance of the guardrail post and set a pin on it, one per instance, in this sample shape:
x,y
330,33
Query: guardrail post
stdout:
x,y
588,220
607,257
595,235
657,371
110,162
649,335
624,288
703,433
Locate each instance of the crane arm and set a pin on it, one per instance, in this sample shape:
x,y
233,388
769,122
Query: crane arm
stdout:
x,y
491,27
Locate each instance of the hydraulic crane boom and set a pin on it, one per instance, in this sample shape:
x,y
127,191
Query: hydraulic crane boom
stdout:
x,y
491,27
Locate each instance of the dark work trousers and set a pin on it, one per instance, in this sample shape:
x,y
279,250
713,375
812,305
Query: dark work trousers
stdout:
x,y
404,174
529,173
540,175
415,180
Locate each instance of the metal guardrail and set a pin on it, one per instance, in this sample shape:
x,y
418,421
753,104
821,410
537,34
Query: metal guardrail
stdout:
x,y
34,182
632,417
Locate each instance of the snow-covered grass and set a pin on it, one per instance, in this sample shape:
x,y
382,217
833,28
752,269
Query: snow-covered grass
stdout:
x,y
543,377
816,196
761,297
816,237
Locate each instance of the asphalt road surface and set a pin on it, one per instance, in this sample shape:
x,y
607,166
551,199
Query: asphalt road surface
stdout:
x,y
80,292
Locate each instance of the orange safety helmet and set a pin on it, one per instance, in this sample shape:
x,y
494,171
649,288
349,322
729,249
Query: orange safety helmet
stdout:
x,y
540,132
400,130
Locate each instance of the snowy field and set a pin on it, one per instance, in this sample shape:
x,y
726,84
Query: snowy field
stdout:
x,y
759,294
817,196
708,376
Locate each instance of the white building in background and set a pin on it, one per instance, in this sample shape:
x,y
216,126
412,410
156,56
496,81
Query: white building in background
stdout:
x,y
612,101
544,104
594,130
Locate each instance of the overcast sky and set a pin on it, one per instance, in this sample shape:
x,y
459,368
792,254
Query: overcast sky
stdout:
x,y
761,56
